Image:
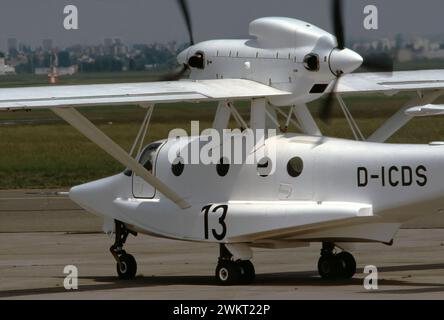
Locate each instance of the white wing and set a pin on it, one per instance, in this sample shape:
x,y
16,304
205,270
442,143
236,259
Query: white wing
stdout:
x,y
63,99
391,83
133,93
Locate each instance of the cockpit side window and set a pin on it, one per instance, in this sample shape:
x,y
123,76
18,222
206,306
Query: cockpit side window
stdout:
x,y
147,158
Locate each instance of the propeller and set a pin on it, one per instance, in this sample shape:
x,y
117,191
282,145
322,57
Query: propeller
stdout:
x,y
378,62
182,69
186,15
338,28
327,104
338,25
175,74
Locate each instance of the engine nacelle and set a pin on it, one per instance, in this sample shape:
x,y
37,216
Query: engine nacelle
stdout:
x,y
280,32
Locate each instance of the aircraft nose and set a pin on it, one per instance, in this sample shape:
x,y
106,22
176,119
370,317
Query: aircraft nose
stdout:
x,y
85,195
93,196
344,61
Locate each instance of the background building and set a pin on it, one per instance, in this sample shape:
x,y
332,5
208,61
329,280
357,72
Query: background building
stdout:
x,y
5,69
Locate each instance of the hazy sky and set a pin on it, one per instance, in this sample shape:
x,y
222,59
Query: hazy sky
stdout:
x,y
134,21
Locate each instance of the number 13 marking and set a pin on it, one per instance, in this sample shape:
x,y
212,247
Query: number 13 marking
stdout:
x,y
206,211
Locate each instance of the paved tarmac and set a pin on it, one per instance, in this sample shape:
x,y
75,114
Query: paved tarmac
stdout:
x,y
41,234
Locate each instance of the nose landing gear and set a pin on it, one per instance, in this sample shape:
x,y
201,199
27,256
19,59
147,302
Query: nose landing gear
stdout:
x,y
126,264
335,266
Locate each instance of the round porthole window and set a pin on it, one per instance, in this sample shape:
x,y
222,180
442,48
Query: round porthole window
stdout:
x,y
264,167
177,166
222,167
295,167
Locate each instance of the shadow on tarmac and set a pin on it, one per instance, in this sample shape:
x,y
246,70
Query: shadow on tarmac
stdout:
x,y
303,278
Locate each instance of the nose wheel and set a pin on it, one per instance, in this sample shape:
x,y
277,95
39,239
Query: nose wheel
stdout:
x,y
126,264
333,265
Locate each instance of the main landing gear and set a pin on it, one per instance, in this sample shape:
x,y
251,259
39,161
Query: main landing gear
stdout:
x,y
333,265
126,264
230,272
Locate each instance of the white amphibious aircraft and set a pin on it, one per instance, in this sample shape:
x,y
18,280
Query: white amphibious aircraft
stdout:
x,y
327,190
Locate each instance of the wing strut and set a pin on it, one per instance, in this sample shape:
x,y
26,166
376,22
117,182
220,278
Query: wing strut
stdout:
x,y
400,118
357,133
88,129
306,121
240,121
289,119
142,131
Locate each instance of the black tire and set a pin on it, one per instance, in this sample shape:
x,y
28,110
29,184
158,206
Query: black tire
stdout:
x,y
247,271
127,267
228,273
328,267
347,263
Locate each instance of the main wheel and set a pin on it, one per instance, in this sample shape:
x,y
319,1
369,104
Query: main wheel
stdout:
x,y
127,267
247,271
328,267
228,273
348,264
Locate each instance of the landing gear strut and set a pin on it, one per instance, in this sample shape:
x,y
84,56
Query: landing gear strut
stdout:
x,y
126,264
333,265
230,272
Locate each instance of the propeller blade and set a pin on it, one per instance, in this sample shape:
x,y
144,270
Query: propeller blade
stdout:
x,y
378,62
338,29
174,75
338,25
186,15
182,69
327,106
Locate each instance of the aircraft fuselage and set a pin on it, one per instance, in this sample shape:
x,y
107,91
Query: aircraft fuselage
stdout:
x,y
361,191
